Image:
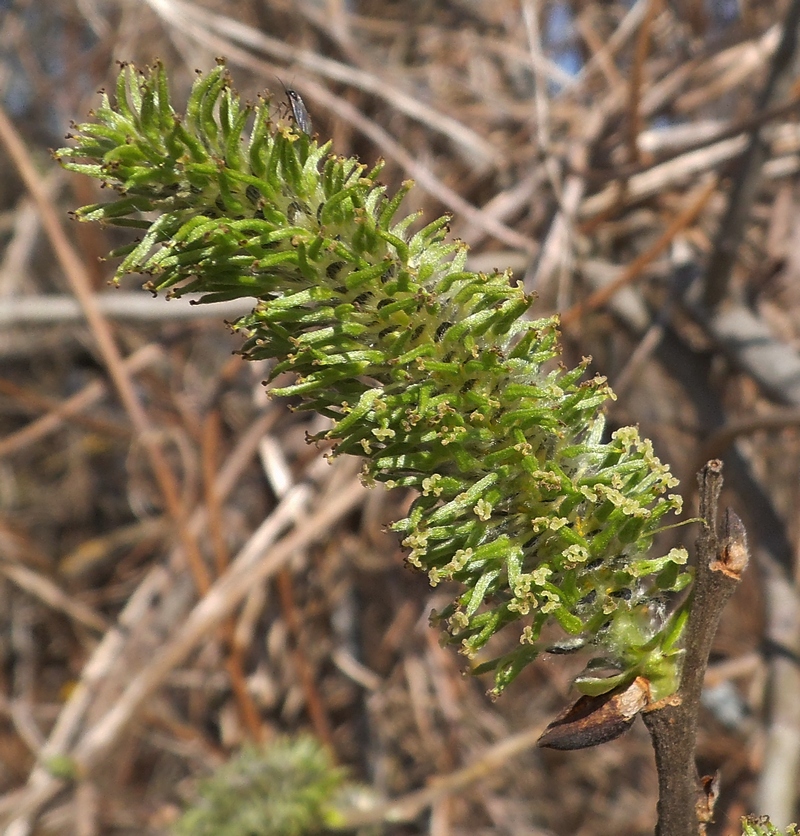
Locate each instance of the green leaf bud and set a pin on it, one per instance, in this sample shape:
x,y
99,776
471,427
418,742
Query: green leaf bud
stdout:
x,y
433,374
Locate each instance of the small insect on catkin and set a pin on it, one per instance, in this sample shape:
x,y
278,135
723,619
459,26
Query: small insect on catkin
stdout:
x,y
301,117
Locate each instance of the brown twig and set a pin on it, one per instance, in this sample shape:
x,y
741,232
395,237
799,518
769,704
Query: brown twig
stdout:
x,y
750,343
39,429
598,177
697,202
279,475
25,398
731,228
599,52
410,806
314,703
37,584
234,662
719,441
672,723
636,79
78,280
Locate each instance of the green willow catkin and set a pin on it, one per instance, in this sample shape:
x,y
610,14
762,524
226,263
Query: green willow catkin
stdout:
x,y
433,374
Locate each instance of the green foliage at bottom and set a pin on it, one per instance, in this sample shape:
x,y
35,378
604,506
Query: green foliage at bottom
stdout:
x,y
283,789
761,826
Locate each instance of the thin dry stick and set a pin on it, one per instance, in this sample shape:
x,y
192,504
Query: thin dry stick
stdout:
x,y
611,200
31,401
410,806
314,703
672,722
502,205
651,338
731,229
656,180
598,49
530,14
144,534
628,25
121,305
719,441
598,176
557,252
52,595
561,226
113,360
209,455
696,203
65,411
234,662
281,480
637,76
728,70
639,358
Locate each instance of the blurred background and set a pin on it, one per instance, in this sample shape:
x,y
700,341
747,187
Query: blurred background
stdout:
x,y
634,163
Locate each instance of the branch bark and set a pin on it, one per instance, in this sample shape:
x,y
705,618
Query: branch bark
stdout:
x,y
684,806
